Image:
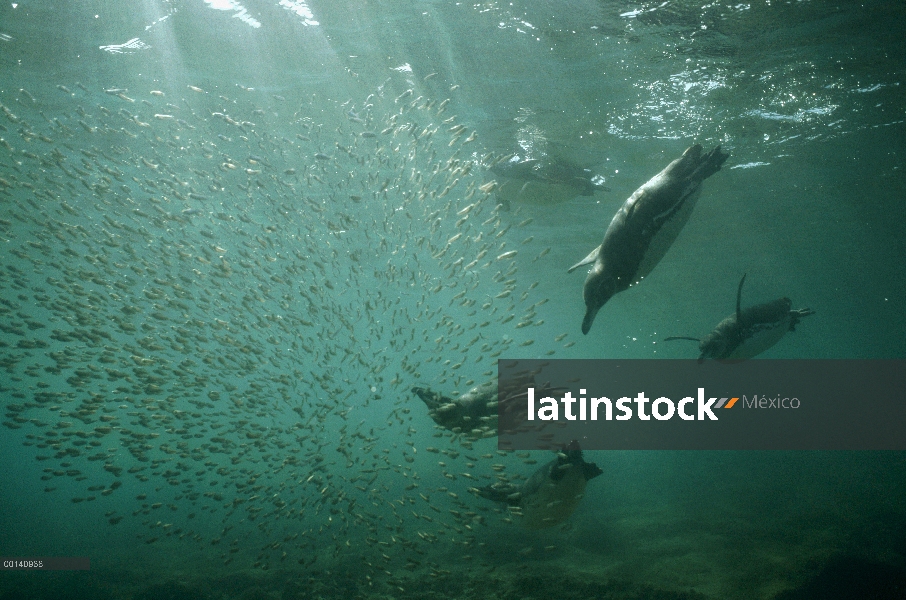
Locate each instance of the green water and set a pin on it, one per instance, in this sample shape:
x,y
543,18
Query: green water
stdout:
x,y
217,292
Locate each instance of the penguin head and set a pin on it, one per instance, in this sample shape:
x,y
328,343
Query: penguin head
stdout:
x,y
712,346
599,288
431,398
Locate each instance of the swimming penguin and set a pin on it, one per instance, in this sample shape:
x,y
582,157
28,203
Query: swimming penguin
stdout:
x,y
542,181
475,413
517,167
551,494
645,227
554,172
749,332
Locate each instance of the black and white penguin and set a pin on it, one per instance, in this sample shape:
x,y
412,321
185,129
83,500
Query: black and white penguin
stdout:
x,y
645,227
473,414
551,494
552,172
542,181
749,332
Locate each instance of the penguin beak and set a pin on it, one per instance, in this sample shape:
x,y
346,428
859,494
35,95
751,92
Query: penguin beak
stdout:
x,y
710,347
595,297
589,319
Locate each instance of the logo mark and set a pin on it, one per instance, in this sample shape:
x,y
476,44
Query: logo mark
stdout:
x,y
732,401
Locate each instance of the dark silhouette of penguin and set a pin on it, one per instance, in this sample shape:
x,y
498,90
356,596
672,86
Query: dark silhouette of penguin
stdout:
x,y
551,494
551,171
473,414
645,227
749,332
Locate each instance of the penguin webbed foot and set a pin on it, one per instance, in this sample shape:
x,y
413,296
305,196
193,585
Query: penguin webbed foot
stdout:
x,y
710,163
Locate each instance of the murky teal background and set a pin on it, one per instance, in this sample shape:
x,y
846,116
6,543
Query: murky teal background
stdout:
x,y
808,98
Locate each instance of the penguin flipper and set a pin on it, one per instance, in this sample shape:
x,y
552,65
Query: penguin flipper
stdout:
x,y
592,257
739,298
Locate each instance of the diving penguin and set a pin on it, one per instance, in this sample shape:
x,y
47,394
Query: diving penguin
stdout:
x,y
473,413
645,227
554,172
551,494
544,180
749,332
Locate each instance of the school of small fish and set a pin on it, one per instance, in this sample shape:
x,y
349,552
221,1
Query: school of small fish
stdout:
x,y
224,302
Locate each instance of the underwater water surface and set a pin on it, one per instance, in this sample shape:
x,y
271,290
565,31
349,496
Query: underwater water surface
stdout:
x,y
235,235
